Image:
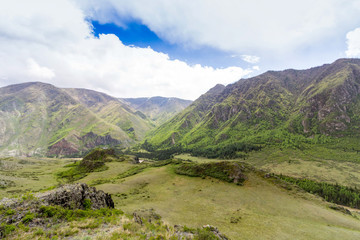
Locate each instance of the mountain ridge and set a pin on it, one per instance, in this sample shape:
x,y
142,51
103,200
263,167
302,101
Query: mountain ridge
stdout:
x,y
320,101
158,109
40,119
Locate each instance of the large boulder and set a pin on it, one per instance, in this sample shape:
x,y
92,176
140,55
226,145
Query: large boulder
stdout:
x,y
71,196
77,196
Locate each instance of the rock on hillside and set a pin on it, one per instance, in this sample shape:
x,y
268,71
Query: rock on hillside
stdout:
x,y
71,196
74,196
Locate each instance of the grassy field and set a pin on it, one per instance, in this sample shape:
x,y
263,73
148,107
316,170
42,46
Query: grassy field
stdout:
x,y
257,210
29,174
334,166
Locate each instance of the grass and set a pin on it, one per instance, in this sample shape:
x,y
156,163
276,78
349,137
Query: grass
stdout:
x,y
334,166
261,209
33,174
257,210
55,222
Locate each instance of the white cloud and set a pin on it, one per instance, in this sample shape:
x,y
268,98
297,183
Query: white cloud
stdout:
x,y
51,40
278,26
250,59
256,68
353,43
38,71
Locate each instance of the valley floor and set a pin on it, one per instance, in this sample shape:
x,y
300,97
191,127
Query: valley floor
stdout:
x,y
258,210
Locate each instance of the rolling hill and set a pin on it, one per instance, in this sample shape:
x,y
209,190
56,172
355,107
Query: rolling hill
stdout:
x,y
41,119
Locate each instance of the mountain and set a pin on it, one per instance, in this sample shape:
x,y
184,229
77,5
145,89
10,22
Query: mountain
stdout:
x,y
41,119
277,107
158,109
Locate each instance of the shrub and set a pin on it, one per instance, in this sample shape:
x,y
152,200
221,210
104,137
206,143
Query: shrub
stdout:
x,y
87,204
6,229
27,218
10,212
226,171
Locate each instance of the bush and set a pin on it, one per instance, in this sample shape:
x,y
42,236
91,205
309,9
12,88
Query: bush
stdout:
x,y
87,204
226,171
10,212
6,229
205,234
27,218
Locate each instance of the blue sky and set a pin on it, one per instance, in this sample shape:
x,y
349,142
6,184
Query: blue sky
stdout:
x,y
169,48
137,34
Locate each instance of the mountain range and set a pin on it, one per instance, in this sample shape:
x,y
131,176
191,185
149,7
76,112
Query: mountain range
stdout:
x,y
285,107
158,109
41,119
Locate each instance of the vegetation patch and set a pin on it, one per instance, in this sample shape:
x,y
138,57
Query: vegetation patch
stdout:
x,y
5,183
225,151
226,171
228,151
92,162
135,170
56,222
334,193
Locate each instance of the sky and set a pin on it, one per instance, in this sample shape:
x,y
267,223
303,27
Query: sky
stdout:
x,y
170,48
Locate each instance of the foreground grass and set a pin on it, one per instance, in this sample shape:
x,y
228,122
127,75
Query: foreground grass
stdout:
x,y
54,222
259,209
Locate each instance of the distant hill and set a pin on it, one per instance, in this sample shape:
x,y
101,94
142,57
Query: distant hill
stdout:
x,y
278,107
158,109
41,119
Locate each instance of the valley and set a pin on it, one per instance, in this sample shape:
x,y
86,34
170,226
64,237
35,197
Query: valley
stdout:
x,y
276,156
260,208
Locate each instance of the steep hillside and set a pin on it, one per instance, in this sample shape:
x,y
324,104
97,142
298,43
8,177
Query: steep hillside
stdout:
x,y
283,107
113,111
40,119
158,109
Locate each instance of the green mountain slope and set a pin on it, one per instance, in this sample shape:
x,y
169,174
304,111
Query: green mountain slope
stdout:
x,y
40,119
113,111
284,107
158,109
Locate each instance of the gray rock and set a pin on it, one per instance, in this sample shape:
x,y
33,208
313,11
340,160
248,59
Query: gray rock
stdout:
x,y
74,196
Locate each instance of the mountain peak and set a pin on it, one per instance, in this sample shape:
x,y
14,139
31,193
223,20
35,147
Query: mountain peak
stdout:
x,y
318,101
218,88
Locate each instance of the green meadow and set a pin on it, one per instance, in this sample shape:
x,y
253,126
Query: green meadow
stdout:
x,y
260,209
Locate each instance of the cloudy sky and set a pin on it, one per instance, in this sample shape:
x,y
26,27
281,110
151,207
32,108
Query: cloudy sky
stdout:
x,y
179,48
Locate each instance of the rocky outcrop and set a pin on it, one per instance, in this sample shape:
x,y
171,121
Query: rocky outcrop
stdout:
x,y
77,196
216,234
62,148
71,196
91,140
39,210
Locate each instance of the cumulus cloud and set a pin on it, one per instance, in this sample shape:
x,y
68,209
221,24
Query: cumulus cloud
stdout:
x,y
276,26
284,34
38,71
353,43
250,59
52,41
